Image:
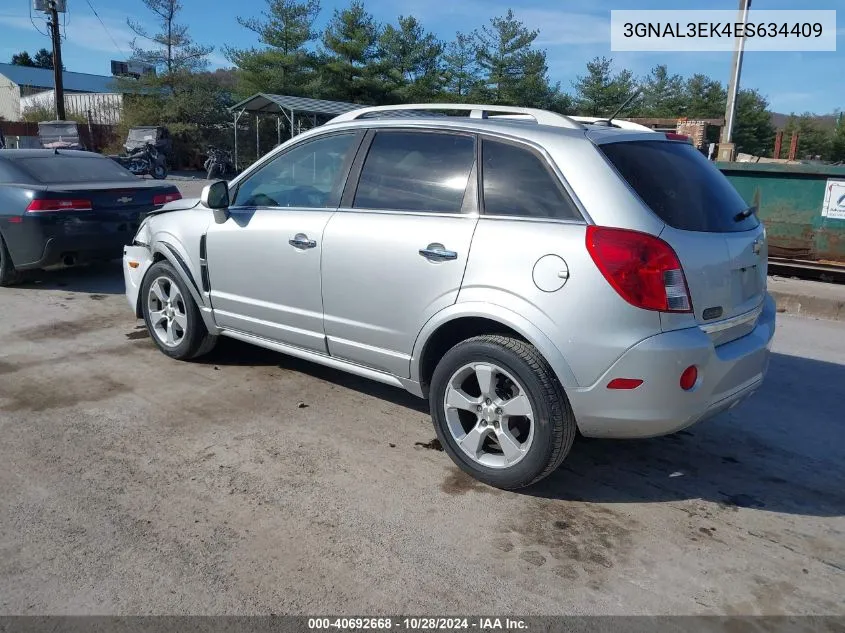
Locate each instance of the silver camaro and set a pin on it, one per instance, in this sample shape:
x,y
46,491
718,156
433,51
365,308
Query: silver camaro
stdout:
x,y
530,274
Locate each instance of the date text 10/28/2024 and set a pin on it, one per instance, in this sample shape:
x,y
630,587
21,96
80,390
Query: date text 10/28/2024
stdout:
x,y
418,624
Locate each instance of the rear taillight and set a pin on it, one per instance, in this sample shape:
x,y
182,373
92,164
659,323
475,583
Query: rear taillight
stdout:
x,y
643,269
38,206
164,198
672,136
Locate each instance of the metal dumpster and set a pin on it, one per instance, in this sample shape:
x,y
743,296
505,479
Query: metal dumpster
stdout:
x,y
802,207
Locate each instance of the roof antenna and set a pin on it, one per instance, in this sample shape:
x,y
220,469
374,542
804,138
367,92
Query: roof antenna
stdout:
x,y
608,122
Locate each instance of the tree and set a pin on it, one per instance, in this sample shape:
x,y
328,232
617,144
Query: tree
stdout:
x,y
22,59
837,144
513,71
813,140
410,59
43,59
705,98
460,68
348,72
753,132
663,94
174,51
600,92
284,65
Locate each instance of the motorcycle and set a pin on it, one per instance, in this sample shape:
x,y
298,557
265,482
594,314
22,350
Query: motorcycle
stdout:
x,y
143,161
219,163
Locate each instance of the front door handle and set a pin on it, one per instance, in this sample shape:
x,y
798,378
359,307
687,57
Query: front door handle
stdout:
x,y
437,253
301,241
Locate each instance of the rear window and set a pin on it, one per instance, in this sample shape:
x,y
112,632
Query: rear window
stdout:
x,y
680,185
71,169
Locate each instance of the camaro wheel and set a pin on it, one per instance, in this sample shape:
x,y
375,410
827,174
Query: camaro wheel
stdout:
x,y
8,275
172,316
500,412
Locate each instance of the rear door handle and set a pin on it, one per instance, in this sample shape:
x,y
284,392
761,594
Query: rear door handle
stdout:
x,y
438,253
301,241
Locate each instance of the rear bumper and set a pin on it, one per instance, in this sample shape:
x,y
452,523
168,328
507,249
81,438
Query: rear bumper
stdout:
x,y
727,375
41,242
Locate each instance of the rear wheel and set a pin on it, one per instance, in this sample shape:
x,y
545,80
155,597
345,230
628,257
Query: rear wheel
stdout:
x,y
172,316
8,274
160,171
500,412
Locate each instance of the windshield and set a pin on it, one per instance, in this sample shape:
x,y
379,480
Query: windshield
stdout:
x,y
680,185
57,129
73,169
142,135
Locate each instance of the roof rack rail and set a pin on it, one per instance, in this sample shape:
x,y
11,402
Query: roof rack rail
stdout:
x,y
542,117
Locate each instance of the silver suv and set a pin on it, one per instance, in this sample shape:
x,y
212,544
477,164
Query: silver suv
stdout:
x,y
530,274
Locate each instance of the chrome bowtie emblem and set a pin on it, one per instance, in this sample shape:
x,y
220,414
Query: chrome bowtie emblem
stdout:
x,y
124,200
758,246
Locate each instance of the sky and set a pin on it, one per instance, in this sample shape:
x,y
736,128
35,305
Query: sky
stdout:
x,y
571,31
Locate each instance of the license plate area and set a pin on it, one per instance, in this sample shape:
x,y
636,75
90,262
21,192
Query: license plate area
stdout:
x,y
747,284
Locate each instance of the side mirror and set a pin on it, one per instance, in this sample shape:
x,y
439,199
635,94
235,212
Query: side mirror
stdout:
x,y
216,197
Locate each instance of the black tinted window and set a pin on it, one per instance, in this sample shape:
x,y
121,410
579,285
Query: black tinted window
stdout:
x,y
308,175
60,168
517,182
416,171
680,185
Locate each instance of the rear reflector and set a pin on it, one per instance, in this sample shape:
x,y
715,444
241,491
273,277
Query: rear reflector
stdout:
x,y
689,378
38,206
164,198
134,264
643,269
624,383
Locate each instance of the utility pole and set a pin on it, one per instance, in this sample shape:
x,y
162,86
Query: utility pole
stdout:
x,y
727,149
57,60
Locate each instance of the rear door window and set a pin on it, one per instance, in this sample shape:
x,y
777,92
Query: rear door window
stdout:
x,y
680,185
416,171
518,182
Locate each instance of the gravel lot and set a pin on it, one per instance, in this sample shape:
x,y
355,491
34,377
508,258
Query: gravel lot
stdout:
x,y
253,483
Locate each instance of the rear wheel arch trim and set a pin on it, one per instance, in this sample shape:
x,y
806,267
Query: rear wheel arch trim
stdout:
x,y
506,318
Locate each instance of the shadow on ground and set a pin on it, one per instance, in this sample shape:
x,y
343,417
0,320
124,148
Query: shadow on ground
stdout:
x,y
781,451
104,278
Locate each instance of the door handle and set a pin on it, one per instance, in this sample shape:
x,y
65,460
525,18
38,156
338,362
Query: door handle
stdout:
x,y
437,253
301,241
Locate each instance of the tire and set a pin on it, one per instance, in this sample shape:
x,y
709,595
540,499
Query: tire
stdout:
x,y
184,336
544,438
8,274
159,171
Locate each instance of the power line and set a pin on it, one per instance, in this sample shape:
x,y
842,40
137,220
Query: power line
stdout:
x,y
29,5
105,28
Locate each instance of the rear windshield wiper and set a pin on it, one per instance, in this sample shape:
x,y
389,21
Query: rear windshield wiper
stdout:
x,y
739,217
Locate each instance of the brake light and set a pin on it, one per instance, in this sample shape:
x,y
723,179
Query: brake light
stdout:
x,y
643,269
672,136
164,198
37,206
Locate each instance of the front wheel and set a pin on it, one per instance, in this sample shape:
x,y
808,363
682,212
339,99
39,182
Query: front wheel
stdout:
x,y
172,316
500,412
160,171
215,171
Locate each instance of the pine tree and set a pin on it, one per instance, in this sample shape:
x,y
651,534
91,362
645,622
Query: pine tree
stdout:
x,y
349,56
284,65
410,59
600,92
